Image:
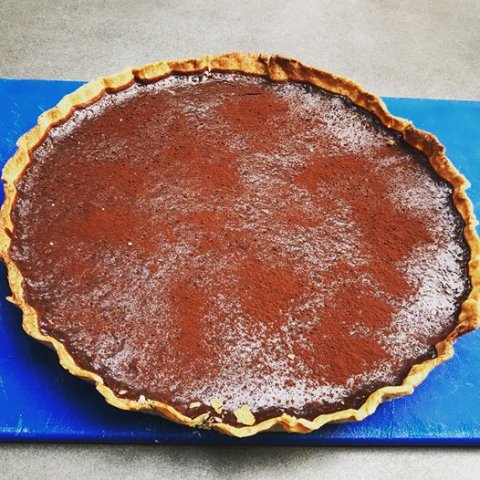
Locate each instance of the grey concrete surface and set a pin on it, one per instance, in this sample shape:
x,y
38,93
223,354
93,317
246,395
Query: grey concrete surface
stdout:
x,y
259,463
408,48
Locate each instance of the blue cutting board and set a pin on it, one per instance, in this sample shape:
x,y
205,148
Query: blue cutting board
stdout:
x,y
39,401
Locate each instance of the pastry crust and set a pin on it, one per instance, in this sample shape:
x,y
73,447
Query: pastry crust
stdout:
x,y
278,69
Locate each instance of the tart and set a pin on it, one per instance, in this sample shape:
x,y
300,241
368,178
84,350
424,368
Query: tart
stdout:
x,y
240,242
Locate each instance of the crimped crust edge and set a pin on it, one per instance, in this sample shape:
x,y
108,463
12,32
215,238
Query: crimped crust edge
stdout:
x,y
279,69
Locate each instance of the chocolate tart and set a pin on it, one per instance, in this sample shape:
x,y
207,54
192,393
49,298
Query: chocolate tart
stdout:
x,y
240,242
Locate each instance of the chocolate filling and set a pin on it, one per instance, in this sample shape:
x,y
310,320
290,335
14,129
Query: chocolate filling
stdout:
x,y
222,236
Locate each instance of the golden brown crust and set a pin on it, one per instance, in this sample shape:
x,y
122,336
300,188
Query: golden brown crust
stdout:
x,y
279,69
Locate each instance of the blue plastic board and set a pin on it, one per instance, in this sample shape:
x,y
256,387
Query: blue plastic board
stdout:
x,y
39,401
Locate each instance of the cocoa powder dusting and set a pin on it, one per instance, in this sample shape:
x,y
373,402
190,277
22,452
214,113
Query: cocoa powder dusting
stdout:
x,y
224,237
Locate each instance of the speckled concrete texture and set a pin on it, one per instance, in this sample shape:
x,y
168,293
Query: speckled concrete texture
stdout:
x,y
408,48
20,462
